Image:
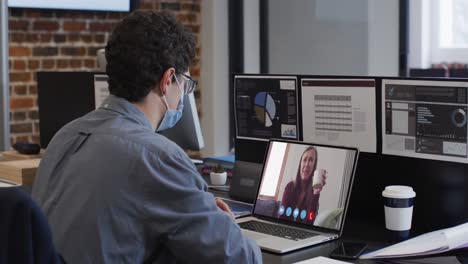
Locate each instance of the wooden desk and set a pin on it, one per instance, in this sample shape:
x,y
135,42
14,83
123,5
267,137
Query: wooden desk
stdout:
x,y
21,172
14,155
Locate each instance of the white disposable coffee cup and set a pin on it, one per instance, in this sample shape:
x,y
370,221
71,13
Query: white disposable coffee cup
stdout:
x,y
318,178
218,178
398,206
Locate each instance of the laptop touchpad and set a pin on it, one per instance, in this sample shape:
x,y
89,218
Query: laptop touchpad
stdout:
x,y
255,235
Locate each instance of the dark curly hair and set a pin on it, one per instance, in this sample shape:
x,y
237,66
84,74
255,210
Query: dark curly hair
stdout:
x,y
142,46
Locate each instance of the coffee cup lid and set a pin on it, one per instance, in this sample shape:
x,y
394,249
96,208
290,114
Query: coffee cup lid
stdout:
x,y
399,192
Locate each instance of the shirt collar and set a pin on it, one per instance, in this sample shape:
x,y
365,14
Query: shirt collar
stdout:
x,y
127,109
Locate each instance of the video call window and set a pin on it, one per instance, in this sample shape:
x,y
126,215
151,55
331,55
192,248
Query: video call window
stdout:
x,y
305,184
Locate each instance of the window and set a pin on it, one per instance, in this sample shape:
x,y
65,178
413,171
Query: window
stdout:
x,y
449,34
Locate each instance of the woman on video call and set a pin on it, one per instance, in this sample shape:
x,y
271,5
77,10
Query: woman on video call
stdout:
x,y
299,193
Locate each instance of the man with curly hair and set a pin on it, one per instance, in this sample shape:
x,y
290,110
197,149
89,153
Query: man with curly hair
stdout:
x,y
114,191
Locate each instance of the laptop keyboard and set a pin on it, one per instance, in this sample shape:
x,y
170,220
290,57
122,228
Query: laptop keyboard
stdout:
x,y
276,230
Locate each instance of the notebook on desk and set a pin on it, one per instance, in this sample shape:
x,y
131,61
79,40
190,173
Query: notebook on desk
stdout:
x,y
292,210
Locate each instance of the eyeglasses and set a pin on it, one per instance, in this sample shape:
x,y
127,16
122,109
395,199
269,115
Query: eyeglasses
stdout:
x,y
190,84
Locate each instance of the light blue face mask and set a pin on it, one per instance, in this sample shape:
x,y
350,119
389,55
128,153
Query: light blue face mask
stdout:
x,y
172,116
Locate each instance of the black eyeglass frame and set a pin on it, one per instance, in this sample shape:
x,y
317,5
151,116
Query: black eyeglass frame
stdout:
x,y
190,84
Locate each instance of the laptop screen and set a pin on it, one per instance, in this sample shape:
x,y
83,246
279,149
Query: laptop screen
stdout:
x,y
305,183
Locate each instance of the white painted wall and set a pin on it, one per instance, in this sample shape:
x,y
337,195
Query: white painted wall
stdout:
x,y
251,36
342,37
318,37
383,37
214,77
419,35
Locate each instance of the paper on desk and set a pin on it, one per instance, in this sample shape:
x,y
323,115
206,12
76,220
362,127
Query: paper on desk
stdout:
x,y
7,184
457,236
321,260
340,111
431,243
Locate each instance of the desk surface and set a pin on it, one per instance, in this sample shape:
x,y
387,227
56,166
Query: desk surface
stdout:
x,y
358,231
373,235
325,250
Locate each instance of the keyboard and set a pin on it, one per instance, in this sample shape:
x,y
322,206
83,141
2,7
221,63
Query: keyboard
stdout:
x,y
276,230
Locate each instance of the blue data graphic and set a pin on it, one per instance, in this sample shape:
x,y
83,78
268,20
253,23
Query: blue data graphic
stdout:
x,y
265,109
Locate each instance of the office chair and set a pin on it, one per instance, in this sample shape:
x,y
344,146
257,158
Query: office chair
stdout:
x,y
25,236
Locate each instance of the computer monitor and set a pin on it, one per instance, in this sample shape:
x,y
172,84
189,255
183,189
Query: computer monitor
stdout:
x,y
110,5
62,97
187,132
101,59
65,96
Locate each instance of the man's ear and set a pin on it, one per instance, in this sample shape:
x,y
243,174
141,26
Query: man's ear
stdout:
x,y
166,80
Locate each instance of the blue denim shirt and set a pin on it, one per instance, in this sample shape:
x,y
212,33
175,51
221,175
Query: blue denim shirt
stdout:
x,y
114,191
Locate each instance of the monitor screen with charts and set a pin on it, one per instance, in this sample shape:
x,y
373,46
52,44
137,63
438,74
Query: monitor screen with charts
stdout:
x,y
306,184
266,107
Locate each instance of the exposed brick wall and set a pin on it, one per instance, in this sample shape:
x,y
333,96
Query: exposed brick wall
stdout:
x,y
65,40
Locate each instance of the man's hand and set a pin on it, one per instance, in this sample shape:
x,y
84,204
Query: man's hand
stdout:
x,y
223,206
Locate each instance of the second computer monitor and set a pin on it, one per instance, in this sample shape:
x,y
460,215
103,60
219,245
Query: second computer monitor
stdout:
x,y
187,132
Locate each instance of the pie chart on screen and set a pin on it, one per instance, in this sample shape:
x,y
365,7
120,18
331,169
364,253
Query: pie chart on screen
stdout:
x,y
265,108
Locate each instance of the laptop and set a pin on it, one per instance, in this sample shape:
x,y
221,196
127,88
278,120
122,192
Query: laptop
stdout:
x,y
244,186
303,195
238,208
